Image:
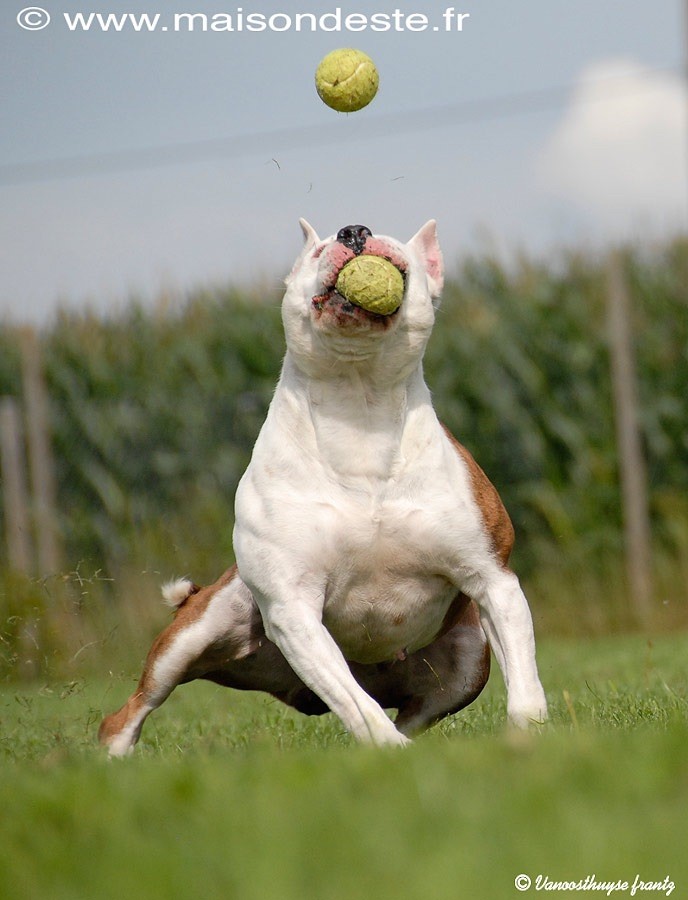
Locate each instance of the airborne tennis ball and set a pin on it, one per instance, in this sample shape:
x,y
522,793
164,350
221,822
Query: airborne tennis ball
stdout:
x,y
346,80
372,283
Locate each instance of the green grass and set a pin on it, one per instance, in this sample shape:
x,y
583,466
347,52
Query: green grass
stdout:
x,y
233,795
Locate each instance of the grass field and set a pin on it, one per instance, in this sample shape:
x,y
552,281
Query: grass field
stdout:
x,y
233,795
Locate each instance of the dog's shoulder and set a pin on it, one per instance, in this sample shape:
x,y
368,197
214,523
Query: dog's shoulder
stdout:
x,y
495,517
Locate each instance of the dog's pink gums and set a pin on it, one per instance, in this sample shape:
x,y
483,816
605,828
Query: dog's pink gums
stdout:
x,y
376,247
337,257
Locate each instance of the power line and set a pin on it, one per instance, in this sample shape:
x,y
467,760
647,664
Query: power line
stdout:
x,y
416,120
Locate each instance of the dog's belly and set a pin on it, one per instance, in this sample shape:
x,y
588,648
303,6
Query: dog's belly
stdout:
x,y
384,595
385,617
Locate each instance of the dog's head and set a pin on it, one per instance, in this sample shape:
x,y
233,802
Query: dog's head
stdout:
x,y
323,329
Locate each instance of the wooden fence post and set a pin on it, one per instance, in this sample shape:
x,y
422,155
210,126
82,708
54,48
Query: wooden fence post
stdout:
x,y
40,456
15,496
632,467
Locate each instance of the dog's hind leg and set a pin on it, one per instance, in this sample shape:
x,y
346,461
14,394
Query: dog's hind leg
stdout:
x,y
437,680
213,626
447,675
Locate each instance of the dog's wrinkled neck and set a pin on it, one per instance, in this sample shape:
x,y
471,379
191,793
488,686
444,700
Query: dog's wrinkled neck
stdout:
x,y
356,425
381,359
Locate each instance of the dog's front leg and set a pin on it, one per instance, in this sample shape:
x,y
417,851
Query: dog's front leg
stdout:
x,y
297,629
507,622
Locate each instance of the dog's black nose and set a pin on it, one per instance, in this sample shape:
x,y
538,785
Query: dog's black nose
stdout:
x,y
354,237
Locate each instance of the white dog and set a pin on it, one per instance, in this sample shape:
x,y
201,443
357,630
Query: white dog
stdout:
x,y
371,549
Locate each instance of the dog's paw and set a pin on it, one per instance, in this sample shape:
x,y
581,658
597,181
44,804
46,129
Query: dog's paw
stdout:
x,y
391,737
528,711
401,741
523,718
119,747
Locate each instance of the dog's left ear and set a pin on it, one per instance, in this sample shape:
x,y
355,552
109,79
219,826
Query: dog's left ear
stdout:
x,y
426,245
310,240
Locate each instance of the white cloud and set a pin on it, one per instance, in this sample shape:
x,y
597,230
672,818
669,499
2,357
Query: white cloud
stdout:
x,y
619,154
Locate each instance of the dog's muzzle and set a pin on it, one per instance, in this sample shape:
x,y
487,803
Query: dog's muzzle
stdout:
x,y
352,241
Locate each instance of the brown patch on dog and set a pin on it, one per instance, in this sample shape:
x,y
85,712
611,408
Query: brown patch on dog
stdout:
x,y
111,725
497,522
187,613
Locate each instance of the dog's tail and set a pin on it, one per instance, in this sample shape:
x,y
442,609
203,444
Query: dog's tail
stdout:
x,y
175,593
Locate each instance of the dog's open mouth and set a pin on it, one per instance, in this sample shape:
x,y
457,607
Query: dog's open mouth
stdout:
x,y
341,311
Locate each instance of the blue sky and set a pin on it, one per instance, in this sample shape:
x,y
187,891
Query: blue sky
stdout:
x,y
540,124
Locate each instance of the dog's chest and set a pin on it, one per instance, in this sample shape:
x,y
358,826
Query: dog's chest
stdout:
x,y
385,591
371,512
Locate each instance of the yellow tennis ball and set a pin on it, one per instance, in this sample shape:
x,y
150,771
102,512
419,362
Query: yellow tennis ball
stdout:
x,y
346,80
372,283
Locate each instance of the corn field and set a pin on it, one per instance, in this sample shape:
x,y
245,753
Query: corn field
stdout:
x,y
153,414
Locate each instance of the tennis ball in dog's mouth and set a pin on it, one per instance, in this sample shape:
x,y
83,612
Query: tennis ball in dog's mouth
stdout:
x,y
372,283
346,80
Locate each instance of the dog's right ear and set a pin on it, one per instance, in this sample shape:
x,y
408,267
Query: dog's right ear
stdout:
x,y
427,246
310,240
